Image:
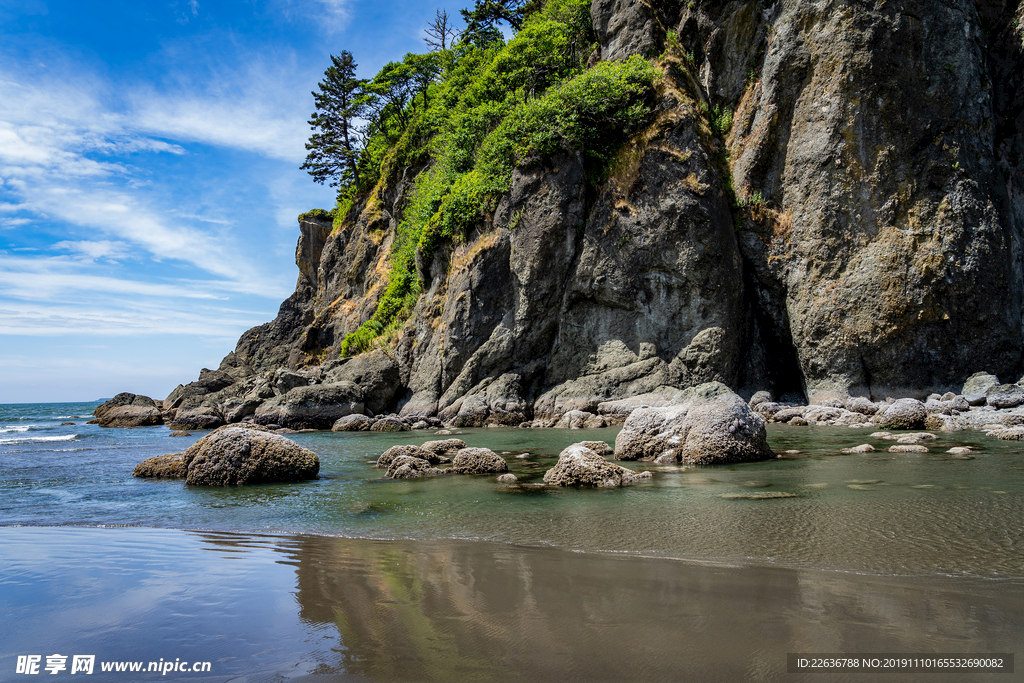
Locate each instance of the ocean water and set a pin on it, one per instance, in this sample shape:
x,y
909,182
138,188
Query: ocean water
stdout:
x,y
708,574
881,513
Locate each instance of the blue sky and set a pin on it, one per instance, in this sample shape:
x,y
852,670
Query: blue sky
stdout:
x,y
149,177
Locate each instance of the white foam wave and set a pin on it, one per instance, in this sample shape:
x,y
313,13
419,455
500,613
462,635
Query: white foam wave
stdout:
x,y
15,429
38,439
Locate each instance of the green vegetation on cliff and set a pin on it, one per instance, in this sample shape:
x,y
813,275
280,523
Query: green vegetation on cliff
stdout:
x,y
465,117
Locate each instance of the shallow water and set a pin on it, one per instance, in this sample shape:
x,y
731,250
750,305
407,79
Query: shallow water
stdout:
x,y
710,574
274,608
880,513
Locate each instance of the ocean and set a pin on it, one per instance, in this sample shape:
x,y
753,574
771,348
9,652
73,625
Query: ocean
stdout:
x,y
698,574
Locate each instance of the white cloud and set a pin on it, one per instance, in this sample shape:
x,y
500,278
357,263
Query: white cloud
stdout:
x,y
100,249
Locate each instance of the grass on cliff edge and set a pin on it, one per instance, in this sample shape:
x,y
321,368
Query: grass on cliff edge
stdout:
x,y
493,109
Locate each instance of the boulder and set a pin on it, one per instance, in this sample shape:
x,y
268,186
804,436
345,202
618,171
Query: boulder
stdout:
x,y
180,433
352,423
860,404
316,406
580,466
209,382
478,461
127,411
407,451
408,467
761,397
713,426
377,376
507,479
388,424
906,413
976,387
863,448
767,410
247,454
198,417
574,419
444,448
1005,396
162,467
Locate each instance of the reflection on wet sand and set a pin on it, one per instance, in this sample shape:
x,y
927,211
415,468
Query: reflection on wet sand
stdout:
x,y
481,611
273,608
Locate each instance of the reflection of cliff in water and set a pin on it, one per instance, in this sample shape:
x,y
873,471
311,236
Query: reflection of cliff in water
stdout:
x,y
482,611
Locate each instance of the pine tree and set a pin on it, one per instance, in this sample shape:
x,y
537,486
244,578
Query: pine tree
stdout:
x,y
334,147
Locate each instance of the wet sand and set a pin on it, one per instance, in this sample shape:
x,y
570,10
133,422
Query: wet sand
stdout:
x,y
266,608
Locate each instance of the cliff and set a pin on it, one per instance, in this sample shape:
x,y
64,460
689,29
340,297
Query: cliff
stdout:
x,y
824,198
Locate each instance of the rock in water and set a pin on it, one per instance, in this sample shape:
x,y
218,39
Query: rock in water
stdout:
x,y
444,448
162,467
478,461
711,426
407,467
390,455
247,454
128,410
906,413
580,466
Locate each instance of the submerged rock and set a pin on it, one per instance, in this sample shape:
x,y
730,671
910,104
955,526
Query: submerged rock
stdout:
x,y
712,426
580,466
248,454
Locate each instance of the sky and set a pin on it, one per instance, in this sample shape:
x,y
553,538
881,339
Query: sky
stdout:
x,y
150,181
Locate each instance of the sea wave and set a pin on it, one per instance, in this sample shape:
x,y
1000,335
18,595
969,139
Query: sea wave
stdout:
x,y
8,429
38,439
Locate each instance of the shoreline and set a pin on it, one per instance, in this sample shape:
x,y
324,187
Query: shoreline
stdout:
x,y
752,563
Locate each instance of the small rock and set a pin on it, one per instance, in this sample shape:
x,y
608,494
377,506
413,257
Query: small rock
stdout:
x,y
422,424
1005,396
352,423
798,422
880,435
1011,434
388,424
948,396
580,466
908,448
444,448
960,450
863,448
916,438
761,397
67,424
906,413
508,479
478,461
180,432
574,419
599,447
404,451
408,467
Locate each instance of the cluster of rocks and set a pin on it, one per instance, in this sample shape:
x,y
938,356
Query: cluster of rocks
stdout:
x,y
983,404
233,456
580,464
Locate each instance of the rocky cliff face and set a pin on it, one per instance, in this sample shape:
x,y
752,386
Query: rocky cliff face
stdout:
x,y
828,202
